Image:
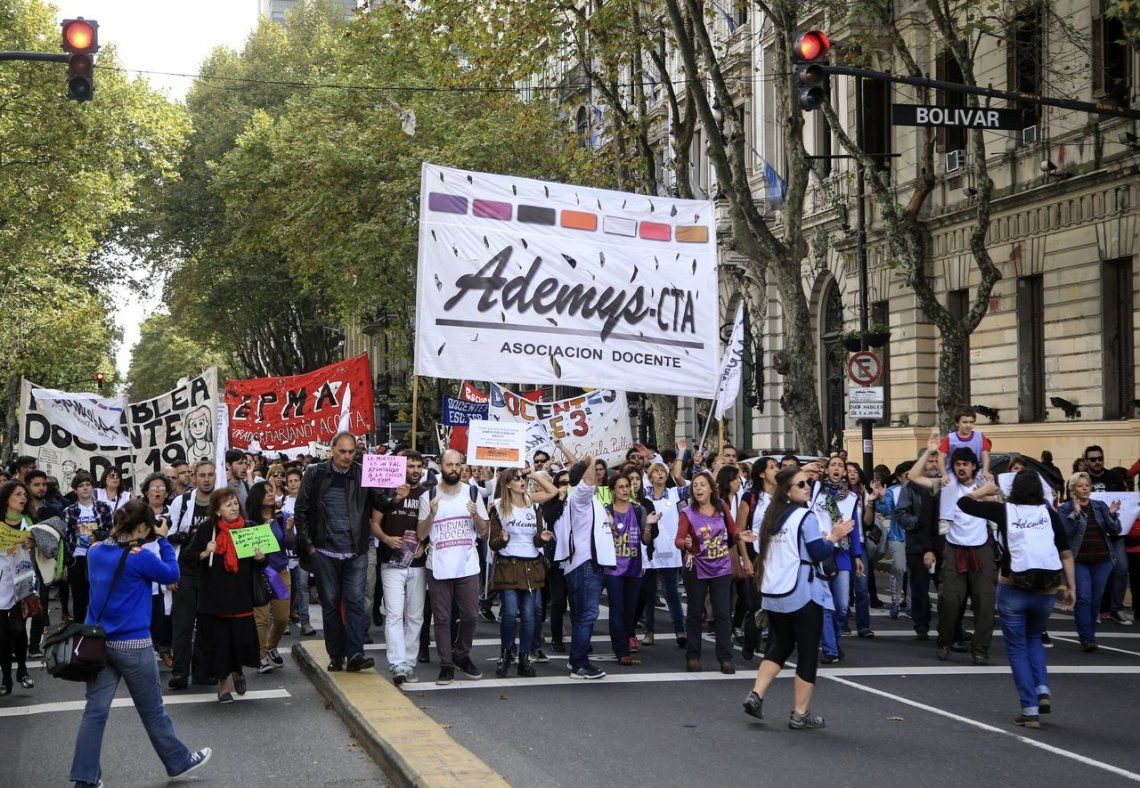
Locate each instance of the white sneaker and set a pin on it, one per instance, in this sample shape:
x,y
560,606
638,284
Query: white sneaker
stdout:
x,y
199,758
265,667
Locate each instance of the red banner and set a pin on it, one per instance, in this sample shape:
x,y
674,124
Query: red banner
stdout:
x,y
292,412
471,394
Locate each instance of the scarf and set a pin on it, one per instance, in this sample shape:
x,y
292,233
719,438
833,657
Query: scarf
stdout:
x,y
224,545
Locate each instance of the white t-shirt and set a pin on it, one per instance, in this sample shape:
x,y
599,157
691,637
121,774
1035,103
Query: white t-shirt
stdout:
x,y
124,497
453,534
522,527
965,531
665,552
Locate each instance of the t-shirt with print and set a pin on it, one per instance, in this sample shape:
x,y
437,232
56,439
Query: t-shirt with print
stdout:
x,y
454,554
405,517
522,527
85,525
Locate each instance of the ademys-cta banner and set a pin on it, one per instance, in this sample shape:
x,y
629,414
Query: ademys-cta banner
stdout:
x,y
597,422
289,413
554,284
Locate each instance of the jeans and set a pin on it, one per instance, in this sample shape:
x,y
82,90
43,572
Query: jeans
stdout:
x,y
299,582
585,584
370,588
1118,582
622,593
342,580
897,553
834,619
137,667
862,601
404,593
1024,615
520,604
919,592
1091,582
667,579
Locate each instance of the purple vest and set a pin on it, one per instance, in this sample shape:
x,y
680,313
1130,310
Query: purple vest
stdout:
x,y
627,545
974,444
710,535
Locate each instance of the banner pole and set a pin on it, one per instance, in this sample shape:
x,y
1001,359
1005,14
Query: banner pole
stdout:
x,y
720,433
708,423
415,406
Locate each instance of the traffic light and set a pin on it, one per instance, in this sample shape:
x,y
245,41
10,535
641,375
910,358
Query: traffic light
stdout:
x,y
81,41
100,378
810,49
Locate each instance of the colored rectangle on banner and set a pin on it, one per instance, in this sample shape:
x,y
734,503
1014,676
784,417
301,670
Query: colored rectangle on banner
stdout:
x,y
615,225
533,214
489,209
447,203
497,444
692,234
384,470
254,537
579,220
655,231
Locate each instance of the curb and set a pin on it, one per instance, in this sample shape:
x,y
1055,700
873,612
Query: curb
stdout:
x,y
411,747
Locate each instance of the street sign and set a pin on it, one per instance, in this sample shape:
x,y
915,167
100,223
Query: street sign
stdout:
x,y
965,117
865,402
864,368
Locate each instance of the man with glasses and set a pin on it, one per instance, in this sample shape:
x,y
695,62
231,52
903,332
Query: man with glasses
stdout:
x,y
1104,480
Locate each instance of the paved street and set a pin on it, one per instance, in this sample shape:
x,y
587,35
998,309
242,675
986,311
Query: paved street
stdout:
x,y
895,716
280,733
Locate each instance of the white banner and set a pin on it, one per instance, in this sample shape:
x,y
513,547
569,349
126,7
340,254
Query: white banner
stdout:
x,y
496,444
87,416
553,284
597,422
177,426
731,366
1129,506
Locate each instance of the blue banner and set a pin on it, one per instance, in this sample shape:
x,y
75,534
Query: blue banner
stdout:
x,y
457,412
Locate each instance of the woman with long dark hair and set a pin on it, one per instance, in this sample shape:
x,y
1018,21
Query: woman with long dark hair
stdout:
x,y
122,607
111,490
1036,564
795,593
17,582
707,533
225,596
261,509
750,515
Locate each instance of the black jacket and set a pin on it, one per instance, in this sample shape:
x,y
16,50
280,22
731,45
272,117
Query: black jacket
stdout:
x,y
309,514
924,537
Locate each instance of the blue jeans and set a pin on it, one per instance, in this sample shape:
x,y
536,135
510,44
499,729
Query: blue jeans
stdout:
x,y
622,594
138,668
515,603
337,580
862,603
667,579
299,585
585,584
834,619
1091,580
1024,615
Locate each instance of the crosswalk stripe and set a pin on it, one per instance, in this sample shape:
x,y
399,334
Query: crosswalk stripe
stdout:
x,y
119,703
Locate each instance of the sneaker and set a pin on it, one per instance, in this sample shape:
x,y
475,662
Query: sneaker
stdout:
x,y
1044,704
178,682
275,658
981,659
894,613
308,632
1028,721
1089,647
942,652
265,667
197,759
647,639
240,685
487,614
336,664
469,668
1120,618
634,646
558,646
225,697
539,656
727,668
754,706
866,633
829,659
446,675
806,721
410,676
959,646
503,664
423,657
359,662
588,673
35,652
682,640
1046,641
399,677
525,670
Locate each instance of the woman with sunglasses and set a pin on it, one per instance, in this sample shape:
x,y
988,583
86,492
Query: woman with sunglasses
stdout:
x,y
111,491
155,489
631,529
707,534
795,593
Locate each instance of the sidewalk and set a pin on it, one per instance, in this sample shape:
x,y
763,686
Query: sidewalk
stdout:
x,y
411,747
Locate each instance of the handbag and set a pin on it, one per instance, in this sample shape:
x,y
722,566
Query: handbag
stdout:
x,y
77,652
31,607
262,590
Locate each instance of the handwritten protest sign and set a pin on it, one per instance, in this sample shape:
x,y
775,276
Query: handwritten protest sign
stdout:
x,y
384,470
257,537
496,444
11,537
1129,506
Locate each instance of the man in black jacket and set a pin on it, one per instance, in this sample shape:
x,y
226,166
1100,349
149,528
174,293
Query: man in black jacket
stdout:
x,y
334,520
917,513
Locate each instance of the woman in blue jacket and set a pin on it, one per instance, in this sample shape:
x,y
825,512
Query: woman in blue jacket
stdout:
x,y
1090,526
123,607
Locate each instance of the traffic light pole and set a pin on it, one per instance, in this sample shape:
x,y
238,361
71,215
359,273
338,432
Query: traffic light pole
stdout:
x,y
51,57
861,259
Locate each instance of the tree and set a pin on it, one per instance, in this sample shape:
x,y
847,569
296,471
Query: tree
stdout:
x,y
163,355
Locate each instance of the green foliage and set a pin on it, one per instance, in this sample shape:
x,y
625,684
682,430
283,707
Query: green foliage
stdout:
x,y
163,355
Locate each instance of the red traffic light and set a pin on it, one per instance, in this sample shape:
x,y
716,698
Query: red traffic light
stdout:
x,y
79,35
810,45
100,377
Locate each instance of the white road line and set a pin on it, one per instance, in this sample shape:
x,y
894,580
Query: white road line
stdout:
x,y
992,729
119,703
1100,645
899,633
714,675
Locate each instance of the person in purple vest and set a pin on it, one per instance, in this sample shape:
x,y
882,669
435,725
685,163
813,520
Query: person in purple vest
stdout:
x,y
964,434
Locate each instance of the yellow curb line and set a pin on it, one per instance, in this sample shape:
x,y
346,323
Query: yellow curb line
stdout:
x,y
411,747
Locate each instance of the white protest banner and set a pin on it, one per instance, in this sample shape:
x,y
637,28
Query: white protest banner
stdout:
x,y
384,470
496,444
1129,506
87,416
731,365
547,283
177,426
58,451
1005,482
597,422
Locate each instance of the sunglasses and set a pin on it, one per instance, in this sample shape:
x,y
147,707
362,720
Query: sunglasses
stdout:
x,y
801,484
1096,459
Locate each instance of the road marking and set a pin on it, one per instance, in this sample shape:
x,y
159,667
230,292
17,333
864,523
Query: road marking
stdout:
x,y
893,633
992,729
1099,645
650,678
545,646
119,703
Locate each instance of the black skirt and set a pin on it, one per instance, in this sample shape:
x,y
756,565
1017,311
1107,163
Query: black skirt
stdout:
x,y
228,644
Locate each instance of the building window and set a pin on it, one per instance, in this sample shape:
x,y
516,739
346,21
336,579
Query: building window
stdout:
x,y
881,313
1025,49
1117,305
582,126
1111,60
697,158
947,69
876,121
958,305
1031,348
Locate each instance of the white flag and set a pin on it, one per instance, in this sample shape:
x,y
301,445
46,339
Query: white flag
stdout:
x,y
87,416
223,443
345,423
731,366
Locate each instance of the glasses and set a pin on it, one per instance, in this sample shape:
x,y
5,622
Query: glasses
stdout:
x,y
801,484
1095,459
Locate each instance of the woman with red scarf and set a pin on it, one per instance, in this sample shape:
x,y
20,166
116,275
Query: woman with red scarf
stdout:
x,y
225,597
